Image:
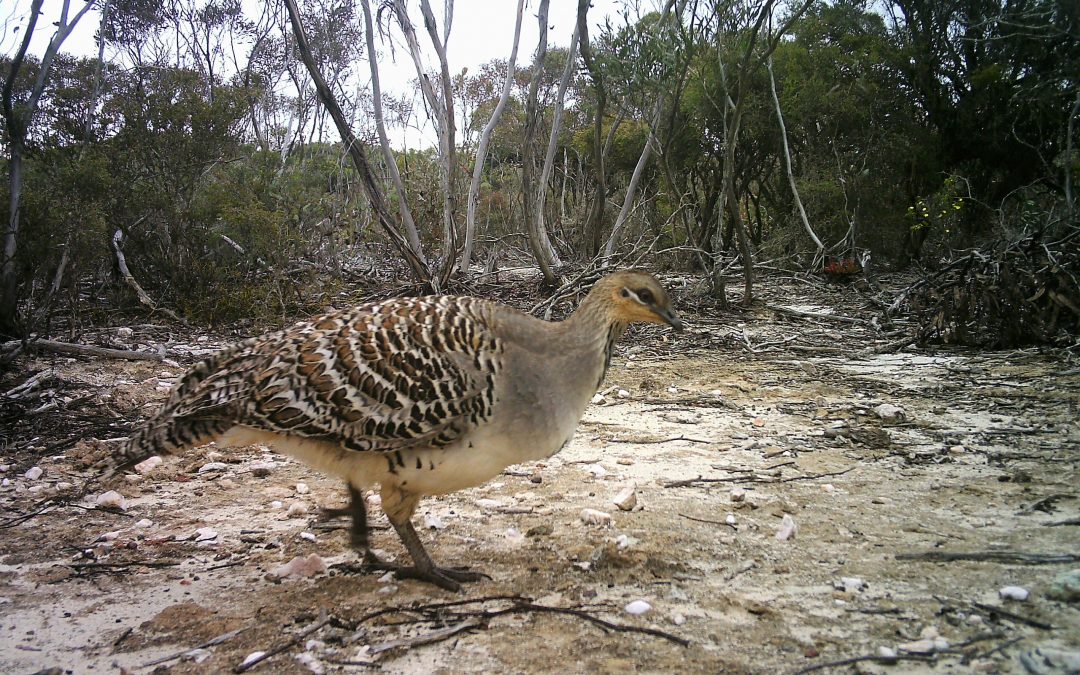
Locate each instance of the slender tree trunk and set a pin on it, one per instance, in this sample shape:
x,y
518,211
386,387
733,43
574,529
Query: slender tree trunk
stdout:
x,y
357,150
482,146
532,121
820,248
635,179
595,223
407,221
549,156
1071,128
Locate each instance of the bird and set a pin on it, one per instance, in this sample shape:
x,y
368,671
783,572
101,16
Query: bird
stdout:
x,y
419,396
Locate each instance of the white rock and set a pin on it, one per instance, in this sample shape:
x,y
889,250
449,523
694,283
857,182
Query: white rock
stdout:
x,y
594,517
262,469
300,566
626,499
5,483
109,536
678,619
514,537
886,652
214,455
213,466
124,332
597,470
597,399
957,449
890,413
849,584
673,390
637,607
112,500
489,503
788,528
940,644
738,494
924,646
730,519
4,468
1013,593
276,504
622,541
974,619
296,510
36,489
252,658
205,534
622,393
147,465
386,578
64,485
33,473
388,589
433,522
374,500
828,487
144,523
302,489
308,536
309,661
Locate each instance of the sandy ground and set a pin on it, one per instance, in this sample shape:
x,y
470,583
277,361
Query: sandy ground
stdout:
x,y
983,460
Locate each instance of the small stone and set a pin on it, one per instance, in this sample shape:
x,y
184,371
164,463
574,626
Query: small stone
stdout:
x,y
307,536
302,489
205,534
147,465
300,566
144,523
33,473
637,607
622,541
673,390
539,530
886,652
252,658
262,469
730,519
849,584
276,504
626,499
788,528
924,646
109,536
774,451
386,578
36,489
888,412
828,487
536,478
678,619
594,517
1013,593
112,500
974,619
514,537
957,449
622,393
433,522
597,470
309,661
488,503
211,467
624,461
124,332
598,399
738,494
296,510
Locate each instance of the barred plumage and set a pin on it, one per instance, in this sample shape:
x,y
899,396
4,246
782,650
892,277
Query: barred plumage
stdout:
x,y
419,395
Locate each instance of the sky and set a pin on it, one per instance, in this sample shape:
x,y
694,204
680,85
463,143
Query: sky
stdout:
x,y
481,30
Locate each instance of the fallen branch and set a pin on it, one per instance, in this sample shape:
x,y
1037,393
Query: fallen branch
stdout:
x,y
212,642
803,314
888,660
85,350
1006,557
125,273
658,440
247,665
428,638
1027,621
710,522
1067,521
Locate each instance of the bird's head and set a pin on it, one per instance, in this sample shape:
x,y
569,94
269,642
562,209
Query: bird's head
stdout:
x,y
633,296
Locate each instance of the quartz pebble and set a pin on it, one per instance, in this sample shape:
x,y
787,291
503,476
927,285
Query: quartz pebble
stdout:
x,y
738,494
622,393
147,465
886,652
145,522
296,510
1013,593
626,499
849,584
112,500
594,517
637,607
205,534
307,536
252,658
597,470
300,566
890,413
302,489
678,619
33,473
597,399
433,522
788,528
262,469
124,332
210,467
730,519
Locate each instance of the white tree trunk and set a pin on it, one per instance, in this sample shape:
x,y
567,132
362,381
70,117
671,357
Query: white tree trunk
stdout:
x,y
787,165
631,189
549,156
407,221
481,148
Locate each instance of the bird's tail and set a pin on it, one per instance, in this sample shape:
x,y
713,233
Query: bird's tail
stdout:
x,y
201,407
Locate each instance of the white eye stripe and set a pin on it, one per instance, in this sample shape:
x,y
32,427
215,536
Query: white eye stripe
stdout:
x,y
631,294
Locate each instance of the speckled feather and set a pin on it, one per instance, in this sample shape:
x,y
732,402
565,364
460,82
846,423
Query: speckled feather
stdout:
x,y
387,376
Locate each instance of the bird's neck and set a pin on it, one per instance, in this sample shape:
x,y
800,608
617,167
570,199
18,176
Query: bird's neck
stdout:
x,y
594,329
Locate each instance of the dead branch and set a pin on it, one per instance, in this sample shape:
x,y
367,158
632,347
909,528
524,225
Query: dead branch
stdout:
x,y
1005,557
888,660
1027,621
428,638
125,273
324,620
1067,521
212,642
803,314
85,350
710,522
658,440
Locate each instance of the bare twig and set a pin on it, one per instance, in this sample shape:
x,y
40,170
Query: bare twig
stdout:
x,y
428,638
860,659
209,643
85,350
710,522
1027,621
1006,557
323,621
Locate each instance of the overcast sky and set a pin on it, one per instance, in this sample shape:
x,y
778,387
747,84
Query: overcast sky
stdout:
x,y
482,30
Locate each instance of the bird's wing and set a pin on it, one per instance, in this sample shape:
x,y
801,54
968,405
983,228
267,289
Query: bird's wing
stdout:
x,y
402,373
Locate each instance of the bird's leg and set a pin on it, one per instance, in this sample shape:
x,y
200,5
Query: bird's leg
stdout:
x,y
399,507
358,532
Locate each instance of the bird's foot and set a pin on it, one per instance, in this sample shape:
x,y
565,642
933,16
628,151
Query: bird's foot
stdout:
x,y
449,578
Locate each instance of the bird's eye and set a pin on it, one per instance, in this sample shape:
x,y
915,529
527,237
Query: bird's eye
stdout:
x,y
645,295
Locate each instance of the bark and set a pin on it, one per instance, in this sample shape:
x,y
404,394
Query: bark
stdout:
x,y
17,119
482,146
1069,198
532,120
84,350
819,247
631,189
549,156
404,211
357,150
595,222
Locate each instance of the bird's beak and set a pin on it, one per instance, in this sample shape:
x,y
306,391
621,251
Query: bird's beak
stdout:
x,y
670,318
